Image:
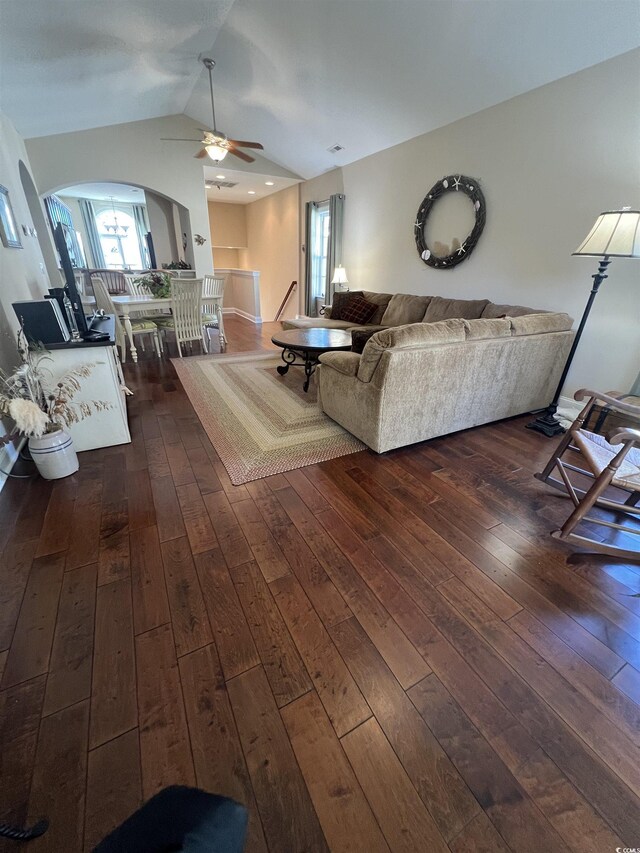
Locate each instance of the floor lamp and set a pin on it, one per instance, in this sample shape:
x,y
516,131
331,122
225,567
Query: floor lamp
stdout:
x,y
616,234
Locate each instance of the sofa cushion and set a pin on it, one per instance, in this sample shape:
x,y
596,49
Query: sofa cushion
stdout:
x,y
379,299
483,329
358,310
535,324
451,309
492,311
413,336
404,308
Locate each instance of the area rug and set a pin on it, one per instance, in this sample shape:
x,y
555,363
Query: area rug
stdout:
x,y
259,422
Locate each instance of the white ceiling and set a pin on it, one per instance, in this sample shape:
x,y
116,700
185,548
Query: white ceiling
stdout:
x,y
250,186
104,192
74,64
297,75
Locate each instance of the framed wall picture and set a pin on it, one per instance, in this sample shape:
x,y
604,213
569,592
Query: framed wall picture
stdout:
x,y
8,228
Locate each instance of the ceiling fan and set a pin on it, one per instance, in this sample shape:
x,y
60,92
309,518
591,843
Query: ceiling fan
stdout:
x,y
214,143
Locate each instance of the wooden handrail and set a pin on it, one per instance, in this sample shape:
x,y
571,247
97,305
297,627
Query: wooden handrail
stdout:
x,y
292,287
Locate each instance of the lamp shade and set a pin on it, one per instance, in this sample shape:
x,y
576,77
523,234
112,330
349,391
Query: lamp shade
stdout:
x,y
616,234
216,152
339,276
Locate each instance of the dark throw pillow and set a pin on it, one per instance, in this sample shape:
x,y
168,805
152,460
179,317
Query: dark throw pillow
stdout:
x,y
357,310
340,301
359,337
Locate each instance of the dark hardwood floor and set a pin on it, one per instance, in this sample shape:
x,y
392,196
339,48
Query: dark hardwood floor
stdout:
x,y
374,653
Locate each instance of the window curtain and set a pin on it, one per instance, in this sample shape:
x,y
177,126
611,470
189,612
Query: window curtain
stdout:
x,y
334,251
89,220
310,303
142,227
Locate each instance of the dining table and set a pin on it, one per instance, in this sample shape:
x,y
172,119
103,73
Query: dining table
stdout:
x,y
126,305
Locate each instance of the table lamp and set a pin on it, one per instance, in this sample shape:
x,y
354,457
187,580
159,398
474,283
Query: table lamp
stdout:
x,y
340,277
616,234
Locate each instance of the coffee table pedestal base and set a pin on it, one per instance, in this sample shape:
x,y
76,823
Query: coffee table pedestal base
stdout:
x,y
299,358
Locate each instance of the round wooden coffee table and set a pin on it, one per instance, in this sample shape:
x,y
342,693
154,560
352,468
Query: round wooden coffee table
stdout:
x,y
303,347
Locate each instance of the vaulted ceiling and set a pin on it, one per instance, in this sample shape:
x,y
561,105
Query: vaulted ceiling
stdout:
x,y
298,75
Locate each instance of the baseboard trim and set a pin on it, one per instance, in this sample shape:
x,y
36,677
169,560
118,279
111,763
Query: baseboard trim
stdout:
x,y
570,405
242,314
8,456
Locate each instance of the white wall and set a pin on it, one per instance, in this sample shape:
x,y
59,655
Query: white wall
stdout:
x,y
131,153
549,162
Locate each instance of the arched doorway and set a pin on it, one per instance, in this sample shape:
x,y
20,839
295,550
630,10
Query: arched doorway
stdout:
x,y
97,206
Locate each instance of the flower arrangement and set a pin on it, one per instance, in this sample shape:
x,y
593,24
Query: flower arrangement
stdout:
x,y
177,265
158,283
36,403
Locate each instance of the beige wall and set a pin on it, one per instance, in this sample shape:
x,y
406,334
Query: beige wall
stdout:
x,y
228,224
549,162
161,225
272,248
131,153
22,273
227,258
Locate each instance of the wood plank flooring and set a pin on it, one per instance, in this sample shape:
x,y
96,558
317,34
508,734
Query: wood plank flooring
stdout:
x,y
377,653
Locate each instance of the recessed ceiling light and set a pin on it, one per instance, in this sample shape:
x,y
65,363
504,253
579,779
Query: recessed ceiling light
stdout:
x,y
220,177
269,184
251,192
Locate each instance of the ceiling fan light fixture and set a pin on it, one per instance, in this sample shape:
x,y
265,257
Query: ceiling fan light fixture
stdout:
x,y
216,152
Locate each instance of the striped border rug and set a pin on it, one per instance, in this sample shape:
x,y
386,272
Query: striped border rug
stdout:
x,y
259,422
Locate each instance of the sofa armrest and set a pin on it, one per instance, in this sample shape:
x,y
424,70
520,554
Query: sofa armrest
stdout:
x,y
343,362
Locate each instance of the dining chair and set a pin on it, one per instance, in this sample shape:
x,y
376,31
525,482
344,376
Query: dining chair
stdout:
x,y
186,299
140,328
113,280
213,289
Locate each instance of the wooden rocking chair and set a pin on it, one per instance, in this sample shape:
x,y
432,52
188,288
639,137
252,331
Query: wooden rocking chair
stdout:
x,y
612,464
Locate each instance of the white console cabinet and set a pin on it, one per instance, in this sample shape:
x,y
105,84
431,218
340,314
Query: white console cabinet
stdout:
x,y
105,428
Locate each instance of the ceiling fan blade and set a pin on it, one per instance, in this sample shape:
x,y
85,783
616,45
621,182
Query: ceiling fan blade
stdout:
x,y
201,154
241,155
243,144
170,139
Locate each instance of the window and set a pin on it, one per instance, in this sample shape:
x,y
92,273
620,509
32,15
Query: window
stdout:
x,y
119,239
320,221
58,212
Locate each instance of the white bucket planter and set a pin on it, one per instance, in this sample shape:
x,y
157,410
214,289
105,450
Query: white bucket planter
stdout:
x,y
54,455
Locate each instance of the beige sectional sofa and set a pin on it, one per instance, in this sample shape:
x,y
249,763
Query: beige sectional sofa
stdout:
x,y
417,380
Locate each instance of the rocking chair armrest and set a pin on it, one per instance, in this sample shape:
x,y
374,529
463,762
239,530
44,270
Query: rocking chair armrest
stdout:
x,y
624,434
611,399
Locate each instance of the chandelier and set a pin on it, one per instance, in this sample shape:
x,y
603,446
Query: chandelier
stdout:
x,y
114,227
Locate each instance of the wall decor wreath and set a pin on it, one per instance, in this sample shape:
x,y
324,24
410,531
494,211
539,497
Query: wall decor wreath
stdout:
x,y
452,183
